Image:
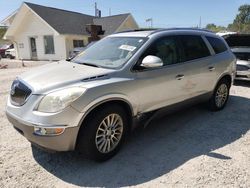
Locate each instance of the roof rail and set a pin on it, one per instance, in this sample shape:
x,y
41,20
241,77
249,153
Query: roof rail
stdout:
x,y
191,29
136,30
164,29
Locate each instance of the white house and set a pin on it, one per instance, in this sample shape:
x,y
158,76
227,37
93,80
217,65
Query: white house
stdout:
x,y
45,33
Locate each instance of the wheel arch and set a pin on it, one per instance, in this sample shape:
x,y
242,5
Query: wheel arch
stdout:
x,y
127,106
226,76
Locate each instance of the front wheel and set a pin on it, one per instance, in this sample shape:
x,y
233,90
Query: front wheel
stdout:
x,y
220,96
103,133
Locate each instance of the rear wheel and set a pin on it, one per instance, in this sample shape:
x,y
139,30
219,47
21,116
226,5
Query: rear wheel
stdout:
x,y
103,133
220,96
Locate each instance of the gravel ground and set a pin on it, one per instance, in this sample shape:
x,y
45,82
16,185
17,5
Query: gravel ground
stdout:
x,y
13,63
191,148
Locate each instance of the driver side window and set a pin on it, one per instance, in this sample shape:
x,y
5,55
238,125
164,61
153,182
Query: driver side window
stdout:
x,y
166,49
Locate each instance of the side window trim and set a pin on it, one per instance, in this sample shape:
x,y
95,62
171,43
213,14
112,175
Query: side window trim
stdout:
x,y
212,52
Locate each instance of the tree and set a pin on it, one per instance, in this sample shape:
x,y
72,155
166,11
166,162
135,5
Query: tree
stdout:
x,y
215,28
242,21
244,15
2,32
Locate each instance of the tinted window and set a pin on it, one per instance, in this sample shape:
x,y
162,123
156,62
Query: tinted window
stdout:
x,y
165,48
217,44
193,47
238,40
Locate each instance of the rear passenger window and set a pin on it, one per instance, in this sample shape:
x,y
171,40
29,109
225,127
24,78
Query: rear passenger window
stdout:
x,y
193,47
217,44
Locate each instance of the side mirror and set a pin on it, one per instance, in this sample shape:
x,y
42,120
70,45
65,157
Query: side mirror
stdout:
x,y
151,61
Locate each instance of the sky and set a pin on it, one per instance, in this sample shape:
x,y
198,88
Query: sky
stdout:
x,y
165,13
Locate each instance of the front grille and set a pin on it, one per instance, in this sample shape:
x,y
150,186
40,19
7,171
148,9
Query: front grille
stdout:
x,y
19,93
242,68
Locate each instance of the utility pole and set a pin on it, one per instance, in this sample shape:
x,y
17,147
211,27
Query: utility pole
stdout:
x,y
95,9
200,23
109,11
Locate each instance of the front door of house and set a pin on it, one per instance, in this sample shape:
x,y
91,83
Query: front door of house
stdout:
x,y
33,48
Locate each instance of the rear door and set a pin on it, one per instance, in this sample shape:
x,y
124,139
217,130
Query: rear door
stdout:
x,y
198,65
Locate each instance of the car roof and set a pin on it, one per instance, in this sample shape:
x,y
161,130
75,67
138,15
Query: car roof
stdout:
x,y
151,32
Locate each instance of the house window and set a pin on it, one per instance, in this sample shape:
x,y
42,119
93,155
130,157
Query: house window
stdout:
x,y
78,43
49,44
20,45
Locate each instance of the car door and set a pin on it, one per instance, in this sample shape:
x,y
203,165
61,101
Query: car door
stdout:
x,y
161,86
198,64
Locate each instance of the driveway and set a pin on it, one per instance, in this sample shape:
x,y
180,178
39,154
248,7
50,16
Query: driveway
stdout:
x,y
190,148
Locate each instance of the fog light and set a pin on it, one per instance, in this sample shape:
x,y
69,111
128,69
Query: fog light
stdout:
x,y
42,131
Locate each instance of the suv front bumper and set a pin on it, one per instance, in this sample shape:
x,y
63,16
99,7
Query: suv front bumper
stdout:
x,y
63,142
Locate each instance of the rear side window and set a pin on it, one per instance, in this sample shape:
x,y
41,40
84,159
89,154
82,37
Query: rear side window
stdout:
x,y
217,44
193,47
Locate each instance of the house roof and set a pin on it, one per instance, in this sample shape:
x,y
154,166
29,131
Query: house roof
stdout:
x,y
63,21
68,22
110,23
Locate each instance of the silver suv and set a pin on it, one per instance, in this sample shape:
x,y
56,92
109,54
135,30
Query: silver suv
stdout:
x,y
92,102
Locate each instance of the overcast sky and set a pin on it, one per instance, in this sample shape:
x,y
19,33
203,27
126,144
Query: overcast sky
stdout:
x,y
165,13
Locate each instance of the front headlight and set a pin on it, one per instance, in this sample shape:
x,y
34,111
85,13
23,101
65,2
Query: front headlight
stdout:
x,y
58,100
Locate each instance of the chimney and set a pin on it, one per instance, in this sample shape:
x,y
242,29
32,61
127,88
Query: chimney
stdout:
x,y
94,31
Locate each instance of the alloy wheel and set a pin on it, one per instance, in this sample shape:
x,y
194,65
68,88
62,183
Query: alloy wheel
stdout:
x,y
109,133
221,95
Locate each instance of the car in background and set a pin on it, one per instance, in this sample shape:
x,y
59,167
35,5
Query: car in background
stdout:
x,y
10,53
3,49
78,50
240,46
75,52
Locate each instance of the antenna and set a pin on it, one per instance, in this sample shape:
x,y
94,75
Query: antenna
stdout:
x,y
98,13
151,22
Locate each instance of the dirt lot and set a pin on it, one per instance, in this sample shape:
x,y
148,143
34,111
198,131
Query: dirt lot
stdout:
x,y
191,148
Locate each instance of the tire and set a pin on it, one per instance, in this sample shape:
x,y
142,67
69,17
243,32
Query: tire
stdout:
x,y
220,96
94,135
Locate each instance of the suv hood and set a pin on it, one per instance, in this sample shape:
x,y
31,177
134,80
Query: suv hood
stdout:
x,y
60,74
243,62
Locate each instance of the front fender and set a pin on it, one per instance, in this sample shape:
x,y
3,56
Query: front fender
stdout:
x,y
86,108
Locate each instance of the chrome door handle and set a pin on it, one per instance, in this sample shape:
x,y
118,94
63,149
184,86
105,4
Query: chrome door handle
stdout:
x,y
179,77
211,68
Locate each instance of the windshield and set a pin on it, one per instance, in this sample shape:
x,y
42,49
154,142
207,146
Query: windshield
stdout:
x,y
111,52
